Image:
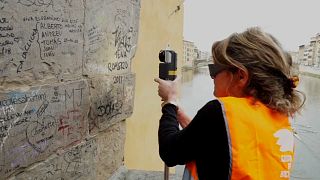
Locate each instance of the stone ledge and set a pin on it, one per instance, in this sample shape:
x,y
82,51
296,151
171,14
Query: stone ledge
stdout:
x,y
124,174
147,175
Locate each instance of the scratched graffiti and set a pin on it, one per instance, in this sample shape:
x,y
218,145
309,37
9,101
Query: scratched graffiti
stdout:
x,y
62,40
40,3
41,133
2,4
111,101
72,125
54,5
110,46
8,38
124,33
123,36
76,163
33,43
32,126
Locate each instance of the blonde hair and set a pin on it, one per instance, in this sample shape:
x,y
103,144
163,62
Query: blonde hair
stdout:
x,y
268,66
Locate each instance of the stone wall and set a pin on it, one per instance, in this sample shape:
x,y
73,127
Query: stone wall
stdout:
x,y
65,86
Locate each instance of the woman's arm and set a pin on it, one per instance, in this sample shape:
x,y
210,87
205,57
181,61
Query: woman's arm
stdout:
x,y
182,146
183,118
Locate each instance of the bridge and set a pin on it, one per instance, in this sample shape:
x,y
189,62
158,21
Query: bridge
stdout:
x,y
202,62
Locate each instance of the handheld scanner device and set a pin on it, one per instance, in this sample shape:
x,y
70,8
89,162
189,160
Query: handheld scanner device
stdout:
x,y
167,65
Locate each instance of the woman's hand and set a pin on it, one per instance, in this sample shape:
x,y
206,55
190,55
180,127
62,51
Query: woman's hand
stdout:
x,y
167,90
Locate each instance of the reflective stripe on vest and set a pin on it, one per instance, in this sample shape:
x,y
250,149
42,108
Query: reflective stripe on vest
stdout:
x,y
261,140
190,171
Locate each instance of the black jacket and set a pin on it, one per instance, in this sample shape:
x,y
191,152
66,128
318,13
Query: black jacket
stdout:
x,y
204,140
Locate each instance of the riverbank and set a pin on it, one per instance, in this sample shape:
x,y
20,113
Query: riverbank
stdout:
x,y
304,70
309,71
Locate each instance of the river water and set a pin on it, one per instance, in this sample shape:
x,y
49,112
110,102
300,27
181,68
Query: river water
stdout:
x,y
197,90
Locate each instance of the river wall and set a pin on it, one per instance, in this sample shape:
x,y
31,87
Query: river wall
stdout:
x,y
66,86
310,71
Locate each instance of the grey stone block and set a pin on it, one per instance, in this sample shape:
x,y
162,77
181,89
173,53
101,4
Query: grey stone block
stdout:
x,y
111,100
110,150
36,122
43,39
111,36
76,163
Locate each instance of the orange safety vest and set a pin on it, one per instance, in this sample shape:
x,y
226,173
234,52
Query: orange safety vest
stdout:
x,y
261,142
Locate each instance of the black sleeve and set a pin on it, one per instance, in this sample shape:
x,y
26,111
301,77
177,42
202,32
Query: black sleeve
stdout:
x,y
181,146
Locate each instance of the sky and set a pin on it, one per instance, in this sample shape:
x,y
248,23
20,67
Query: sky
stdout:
x,y
292,22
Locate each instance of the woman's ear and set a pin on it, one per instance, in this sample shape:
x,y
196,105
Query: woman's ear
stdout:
x,y
243,76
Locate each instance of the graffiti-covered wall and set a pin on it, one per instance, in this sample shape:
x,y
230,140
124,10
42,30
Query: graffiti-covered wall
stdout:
x,y
65,86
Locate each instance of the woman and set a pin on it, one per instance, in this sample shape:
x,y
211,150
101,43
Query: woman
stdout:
x,y
245,133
